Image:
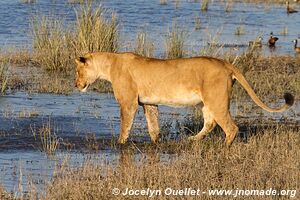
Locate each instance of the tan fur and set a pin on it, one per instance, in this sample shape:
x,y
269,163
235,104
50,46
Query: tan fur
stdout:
x,y
177,82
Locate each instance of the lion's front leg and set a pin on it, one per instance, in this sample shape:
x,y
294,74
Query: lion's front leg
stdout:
x,y
127,117
126,93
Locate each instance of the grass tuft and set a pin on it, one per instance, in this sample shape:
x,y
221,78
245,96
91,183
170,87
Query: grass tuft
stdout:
x,y
5,195
50,44
175,42
55,45
228,6
3,77
48,139
94,32
28,1
197,23
284,31
204,5
143,46
163,2
239,30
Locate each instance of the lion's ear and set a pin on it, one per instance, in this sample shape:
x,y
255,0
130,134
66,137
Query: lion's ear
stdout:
x,y
80,60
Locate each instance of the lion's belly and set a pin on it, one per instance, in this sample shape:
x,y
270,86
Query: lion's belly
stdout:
x,y
172,100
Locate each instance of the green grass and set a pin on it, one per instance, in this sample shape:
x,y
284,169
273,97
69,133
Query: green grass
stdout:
x,y
204,5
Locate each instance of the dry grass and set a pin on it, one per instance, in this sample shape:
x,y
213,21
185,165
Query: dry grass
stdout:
x,y
5,195
46,136
228,6
60,84
197,23
78,1
28,1
175,42
51,44
144,47
163,2
15,56
94,32
285,31
271,76
267,160
3,77
267,2
239,30
56,46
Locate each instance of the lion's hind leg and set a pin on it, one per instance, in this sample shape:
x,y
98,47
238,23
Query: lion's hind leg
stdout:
x,y
209,125
151,113
229,127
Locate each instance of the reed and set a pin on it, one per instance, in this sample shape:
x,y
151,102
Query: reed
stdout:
x,y
49,141
204,5
50,44
77,1
28,1
163,2
91,142
284,31
228,6
3,77
94,32
56,45
177,4
144,46
5,195
28,113
175,41
239,30
197,23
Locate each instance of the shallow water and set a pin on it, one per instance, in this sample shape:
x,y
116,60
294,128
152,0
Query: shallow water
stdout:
x,y
134,16
19,170
79,114
72,117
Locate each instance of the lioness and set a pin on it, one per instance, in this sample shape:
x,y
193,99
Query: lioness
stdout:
x,y
149,82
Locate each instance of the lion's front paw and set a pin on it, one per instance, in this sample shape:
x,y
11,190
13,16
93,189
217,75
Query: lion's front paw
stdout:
x,y
198,137
192,138
122,141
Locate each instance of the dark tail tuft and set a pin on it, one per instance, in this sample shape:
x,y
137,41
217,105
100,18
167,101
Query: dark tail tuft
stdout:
x,y
289,99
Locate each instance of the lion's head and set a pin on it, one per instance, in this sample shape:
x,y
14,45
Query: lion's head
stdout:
x,y
85,73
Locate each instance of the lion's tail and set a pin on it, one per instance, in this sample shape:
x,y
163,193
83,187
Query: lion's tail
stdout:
x,y
289,98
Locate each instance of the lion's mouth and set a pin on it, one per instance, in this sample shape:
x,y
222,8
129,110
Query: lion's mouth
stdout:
x,y
84,88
